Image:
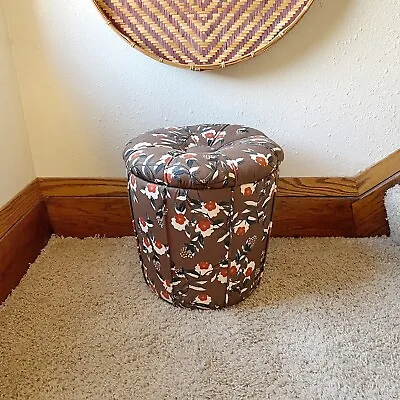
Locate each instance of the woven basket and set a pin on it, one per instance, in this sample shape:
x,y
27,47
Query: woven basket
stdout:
x,y
202,34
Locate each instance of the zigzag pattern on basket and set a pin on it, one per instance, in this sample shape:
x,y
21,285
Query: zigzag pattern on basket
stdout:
x,y
201,32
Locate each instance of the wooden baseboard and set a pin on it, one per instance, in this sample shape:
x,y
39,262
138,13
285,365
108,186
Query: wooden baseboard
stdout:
x,y
24,231
317,187
378,173
313,217
83,187
83,207
111,217
17,207
369,210
89,216
20,246
116,187
309,206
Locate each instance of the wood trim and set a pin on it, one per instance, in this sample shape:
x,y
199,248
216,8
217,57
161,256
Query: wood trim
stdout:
x,y
83,187
20,246
287,187
378,173
111,216
306,206
316,187
117,187
89,216
313,217
369,211
20,205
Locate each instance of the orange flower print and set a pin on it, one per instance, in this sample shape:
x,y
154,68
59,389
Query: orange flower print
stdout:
x,y
210,134
147,245
143,225
241,228
203,298
249,269
151,191
203,268
179,222
248,189
261,159
166,296
233,269
159,248
210,208
223,275
204,227
189,156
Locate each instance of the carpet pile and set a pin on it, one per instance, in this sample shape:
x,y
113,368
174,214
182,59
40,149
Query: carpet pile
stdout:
x,y
324,324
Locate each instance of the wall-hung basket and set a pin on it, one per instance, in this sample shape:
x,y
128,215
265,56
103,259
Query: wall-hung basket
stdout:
x,y
202,34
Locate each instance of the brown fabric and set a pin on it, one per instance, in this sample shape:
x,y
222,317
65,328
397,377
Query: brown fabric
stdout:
x,y
203,248
202,156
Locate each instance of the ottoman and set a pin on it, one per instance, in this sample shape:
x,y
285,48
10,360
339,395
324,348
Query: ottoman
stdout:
x,y
202,199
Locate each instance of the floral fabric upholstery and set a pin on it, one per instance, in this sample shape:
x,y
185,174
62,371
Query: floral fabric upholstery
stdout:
x,y
202,156
202,199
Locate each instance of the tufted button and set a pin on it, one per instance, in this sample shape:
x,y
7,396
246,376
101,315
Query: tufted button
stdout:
x,y
202,156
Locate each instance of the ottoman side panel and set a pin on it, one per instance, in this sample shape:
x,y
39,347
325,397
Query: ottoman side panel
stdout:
x,y
198,225
251,222
148,202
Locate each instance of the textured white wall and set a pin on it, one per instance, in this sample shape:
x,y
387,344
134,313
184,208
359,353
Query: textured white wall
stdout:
x,y
16,167
329,92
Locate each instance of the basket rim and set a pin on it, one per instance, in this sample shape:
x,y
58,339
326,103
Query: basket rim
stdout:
x,y
204,67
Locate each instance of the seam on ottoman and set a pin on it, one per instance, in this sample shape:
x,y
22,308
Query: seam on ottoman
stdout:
x,y
167,234
231,213
139,248
275,177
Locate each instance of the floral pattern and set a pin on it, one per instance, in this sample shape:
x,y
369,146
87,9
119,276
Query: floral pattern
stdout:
x,y
247,189
202,248
211,208
151,191
202,156
241,227
159,248
179,222
203,268
261,159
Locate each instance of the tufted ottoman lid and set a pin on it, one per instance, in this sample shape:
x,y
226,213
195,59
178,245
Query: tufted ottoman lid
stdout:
x,y
202,156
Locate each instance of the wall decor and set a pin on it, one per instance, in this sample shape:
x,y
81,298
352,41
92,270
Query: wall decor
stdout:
x,y
202,34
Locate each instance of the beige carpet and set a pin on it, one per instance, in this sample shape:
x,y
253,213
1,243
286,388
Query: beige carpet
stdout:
x,y
324,324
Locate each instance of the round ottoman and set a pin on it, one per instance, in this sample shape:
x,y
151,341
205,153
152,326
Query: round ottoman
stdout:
x,y
202,198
